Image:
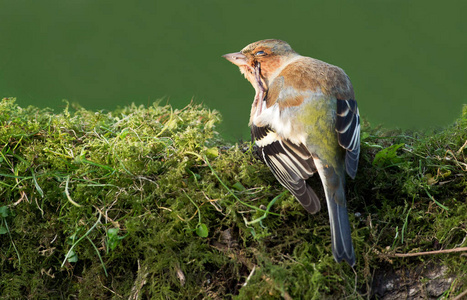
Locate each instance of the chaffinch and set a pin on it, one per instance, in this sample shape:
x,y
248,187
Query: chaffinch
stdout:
x,y
304,119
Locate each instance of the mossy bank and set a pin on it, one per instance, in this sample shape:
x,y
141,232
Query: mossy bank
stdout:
x,y
150,202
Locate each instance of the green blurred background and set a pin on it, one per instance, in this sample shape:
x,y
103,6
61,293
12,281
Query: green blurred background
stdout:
x,y
407,59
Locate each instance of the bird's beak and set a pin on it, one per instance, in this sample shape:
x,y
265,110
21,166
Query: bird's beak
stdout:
x,y
237,58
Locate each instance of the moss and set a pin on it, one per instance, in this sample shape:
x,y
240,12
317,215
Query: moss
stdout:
x,y
116,204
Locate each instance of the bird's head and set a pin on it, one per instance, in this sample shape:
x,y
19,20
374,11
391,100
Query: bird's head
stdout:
x,y
262,57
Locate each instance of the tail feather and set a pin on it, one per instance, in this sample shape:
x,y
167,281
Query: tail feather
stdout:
x,y
341,240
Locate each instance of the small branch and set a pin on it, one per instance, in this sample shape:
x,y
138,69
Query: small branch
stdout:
x,y
249,276
462,249
461,295
67,194
462,148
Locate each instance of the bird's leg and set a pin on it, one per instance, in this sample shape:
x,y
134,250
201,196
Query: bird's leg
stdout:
x,y
258,77
260,89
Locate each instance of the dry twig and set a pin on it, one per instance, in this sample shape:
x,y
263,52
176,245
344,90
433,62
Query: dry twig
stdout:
x,y
462,249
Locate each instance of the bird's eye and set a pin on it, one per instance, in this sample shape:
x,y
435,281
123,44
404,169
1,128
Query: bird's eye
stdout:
x,y
259,53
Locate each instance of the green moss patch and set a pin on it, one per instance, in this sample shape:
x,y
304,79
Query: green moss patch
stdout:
x,y
150,202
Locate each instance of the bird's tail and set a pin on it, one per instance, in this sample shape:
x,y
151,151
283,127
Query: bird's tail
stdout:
x,y
341,240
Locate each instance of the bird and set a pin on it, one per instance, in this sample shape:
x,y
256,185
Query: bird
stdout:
x,y
304,120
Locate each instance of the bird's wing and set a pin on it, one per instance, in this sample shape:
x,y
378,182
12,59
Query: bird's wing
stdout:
x,y
290,163
348,132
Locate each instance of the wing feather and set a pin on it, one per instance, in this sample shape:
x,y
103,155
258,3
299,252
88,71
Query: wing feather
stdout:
x,y
290,163
348,131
